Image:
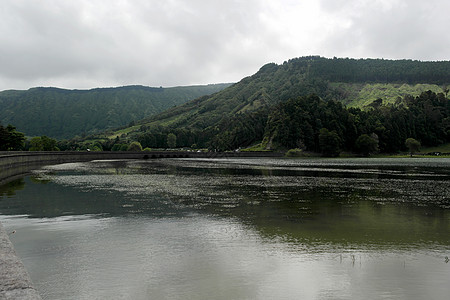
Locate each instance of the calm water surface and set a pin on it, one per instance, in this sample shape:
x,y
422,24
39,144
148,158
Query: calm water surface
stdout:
x,y
235,229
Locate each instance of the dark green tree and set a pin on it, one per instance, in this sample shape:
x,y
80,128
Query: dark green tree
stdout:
x,y
11,139
43,143
171,140
366,144
135,146
413,145
116,147
49,144
330,143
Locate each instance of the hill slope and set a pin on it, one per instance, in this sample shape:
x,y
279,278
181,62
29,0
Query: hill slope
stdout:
x,y
61,113
239,115
353,82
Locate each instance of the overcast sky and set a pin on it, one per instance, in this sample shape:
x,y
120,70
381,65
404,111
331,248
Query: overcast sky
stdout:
x,y
100,43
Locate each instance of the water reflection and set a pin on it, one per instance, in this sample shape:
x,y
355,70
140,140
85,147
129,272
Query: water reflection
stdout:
x,y
9,190
324,206
235,229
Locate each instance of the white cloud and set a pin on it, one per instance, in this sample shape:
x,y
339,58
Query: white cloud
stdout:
x,y
390,29
84,44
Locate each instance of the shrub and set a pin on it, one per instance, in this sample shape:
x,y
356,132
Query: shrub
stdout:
x,y
295,153
135,146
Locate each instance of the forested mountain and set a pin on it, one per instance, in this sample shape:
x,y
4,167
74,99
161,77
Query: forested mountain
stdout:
x,y
246,112
310,103
377,70
330,79
61,113
312,124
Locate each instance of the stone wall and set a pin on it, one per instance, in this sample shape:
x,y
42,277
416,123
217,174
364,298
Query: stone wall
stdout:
x,y
14,165
15,283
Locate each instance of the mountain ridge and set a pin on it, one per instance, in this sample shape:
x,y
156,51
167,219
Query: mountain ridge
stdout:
x,y
64,113
274,83
238,115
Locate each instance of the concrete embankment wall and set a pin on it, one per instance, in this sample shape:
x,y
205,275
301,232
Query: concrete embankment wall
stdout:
x,y
15,165
15,283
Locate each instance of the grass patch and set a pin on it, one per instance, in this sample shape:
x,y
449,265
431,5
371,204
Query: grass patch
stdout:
x,y
360,95
124,131
296,153
445,148
255,148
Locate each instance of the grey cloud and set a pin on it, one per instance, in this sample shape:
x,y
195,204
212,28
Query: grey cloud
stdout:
x,y
391,29
46,41
161,41
148,42
84,44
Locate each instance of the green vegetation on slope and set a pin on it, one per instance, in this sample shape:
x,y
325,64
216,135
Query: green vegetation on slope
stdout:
x,y
363,94
237,116
353,82
302,104
270,85
444,148
312,124
61,113
379,70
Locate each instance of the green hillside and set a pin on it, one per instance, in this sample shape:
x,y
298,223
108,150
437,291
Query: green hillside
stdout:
x,y
360,83
310,75
363,94
244,113
61,113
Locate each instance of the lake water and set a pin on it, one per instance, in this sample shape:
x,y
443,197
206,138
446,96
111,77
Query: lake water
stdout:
x,y
235,228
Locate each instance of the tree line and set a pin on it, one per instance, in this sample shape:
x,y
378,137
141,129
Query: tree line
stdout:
x,y
375,70
308,123
312,124
64,114
13,140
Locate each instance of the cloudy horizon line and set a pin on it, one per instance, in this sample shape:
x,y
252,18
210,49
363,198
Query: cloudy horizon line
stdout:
x,y
209,83
85,44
